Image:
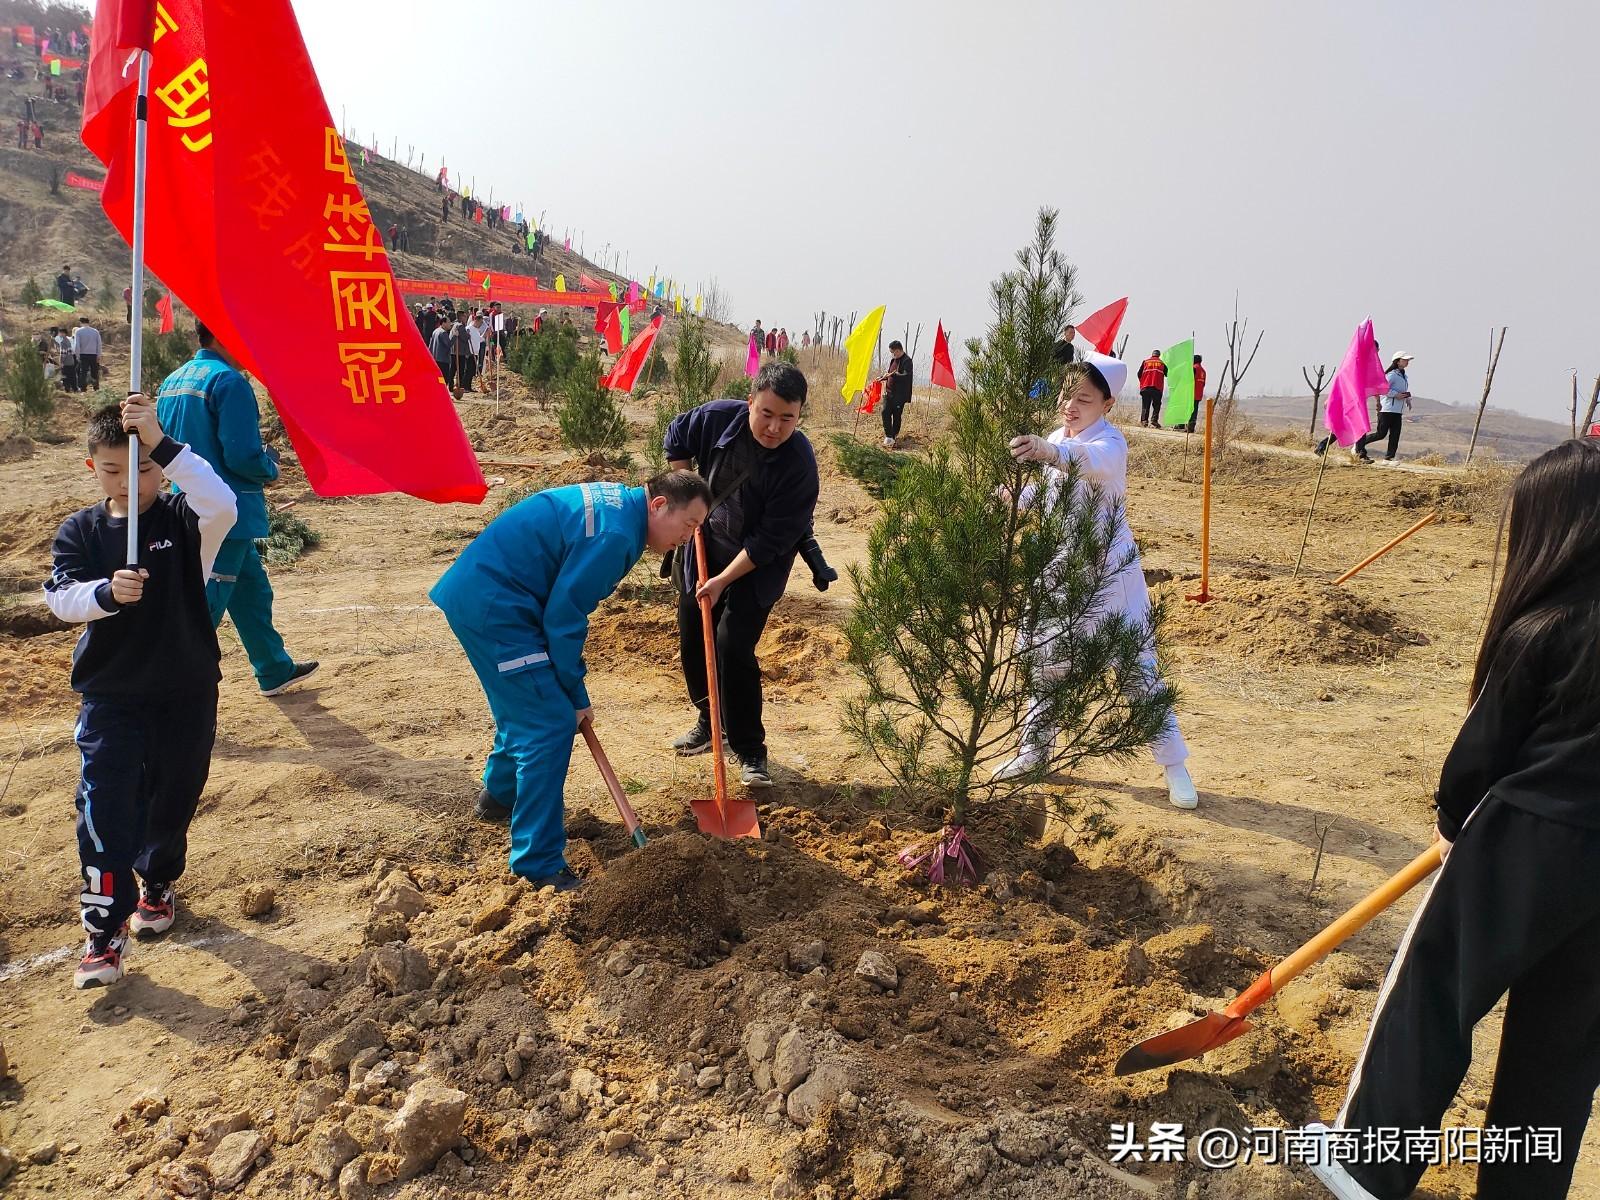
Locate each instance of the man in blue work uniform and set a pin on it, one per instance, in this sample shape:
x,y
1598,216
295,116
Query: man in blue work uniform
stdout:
x,y
763,475
209,405
518,599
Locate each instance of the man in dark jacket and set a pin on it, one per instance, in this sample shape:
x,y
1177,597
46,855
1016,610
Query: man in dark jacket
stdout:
x,y
763,475
897,393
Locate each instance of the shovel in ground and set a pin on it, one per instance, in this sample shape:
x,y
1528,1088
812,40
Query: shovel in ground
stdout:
x,y
1212,1030
618,796
719,816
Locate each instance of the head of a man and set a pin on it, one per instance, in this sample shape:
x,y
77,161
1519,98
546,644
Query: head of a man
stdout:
x,y
678,503
1068,332
208,341
108,460
896,349
1085,397
777,398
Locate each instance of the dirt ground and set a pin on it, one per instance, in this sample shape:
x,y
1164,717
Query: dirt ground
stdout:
x,y
699,1021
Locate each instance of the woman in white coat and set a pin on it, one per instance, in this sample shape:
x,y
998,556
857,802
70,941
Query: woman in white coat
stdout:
x,y
1086,437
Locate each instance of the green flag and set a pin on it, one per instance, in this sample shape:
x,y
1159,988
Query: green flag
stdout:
x,y
55,67
627,328
59,305
1180,384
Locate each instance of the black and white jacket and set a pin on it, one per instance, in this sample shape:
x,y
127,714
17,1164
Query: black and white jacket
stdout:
x,y
165,643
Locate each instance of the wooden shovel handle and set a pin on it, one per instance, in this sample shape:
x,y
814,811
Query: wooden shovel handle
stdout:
x,y
613,784
719,769
1271,982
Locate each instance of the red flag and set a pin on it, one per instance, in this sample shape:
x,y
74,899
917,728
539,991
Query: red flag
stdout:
x,y
944,374
590,282
164,307
1100,328
255,219
870,397
626,369
135,27
613,331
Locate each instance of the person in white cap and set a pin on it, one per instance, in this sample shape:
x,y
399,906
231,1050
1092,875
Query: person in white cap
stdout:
x,y
1088,390
1390,408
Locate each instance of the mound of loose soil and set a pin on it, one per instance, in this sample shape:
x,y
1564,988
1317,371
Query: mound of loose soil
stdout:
x,y
673,891
630,632
1285,620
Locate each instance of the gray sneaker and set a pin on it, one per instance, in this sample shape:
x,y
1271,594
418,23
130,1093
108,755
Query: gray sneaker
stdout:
x,y
696,741
753,772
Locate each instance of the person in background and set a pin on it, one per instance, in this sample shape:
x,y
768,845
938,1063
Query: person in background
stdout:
x,y
518,599
66,290
805,340
897,393
462,355
86,345
1152,384
127,300
61,343
439,348
1513,911
783,340
209,405
146,667
772,342
1065,351
1391,411
758,335
763,473
1199,392
1088,390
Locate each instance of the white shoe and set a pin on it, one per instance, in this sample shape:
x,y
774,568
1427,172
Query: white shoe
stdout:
x,y
1019,766
1180,788
1332,1175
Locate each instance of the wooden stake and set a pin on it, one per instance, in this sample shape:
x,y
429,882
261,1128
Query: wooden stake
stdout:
x,y
1316,396
1594,399
1488,382
1204,595
1305,537
1387,546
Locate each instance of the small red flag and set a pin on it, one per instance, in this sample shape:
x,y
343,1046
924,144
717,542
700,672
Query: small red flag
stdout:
x,y
944,374
1100,328
872,395
626,369
164,307
135,23
613,331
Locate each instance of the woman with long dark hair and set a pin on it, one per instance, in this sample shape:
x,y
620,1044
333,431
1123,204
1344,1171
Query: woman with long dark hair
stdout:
x,y
1516,906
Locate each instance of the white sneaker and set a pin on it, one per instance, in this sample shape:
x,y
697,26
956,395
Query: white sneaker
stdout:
x,y
1332,1175
1180,788
1019,766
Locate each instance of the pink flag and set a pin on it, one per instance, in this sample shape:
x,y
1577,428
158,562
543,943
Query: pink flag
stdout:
x,y
633,290
1360,375
752,363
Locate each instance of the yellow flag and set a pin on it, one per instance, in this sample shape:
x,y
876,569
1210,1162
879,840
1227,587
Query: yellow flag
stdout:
x,y
651,286
679,302
561,283
697,303
859,345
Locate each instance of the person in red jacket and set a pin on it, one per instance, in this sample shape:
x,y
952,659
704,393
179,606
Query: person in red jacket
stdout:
x,y
1199,392
772,341
1152,383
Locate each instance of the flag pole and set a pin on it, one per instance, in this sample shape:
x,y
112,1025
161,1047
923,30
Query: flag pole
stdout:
x,y
141,127
1327,453
1204,595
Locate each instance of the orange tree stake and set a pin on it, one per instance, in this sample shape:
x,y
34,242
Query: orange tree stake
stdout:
x,y
1204,595
1388,546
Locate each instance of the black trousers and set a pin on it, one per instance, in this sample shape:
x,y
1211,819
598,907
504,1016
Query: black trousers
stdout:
x,y
145,763
892,415
88,368
738,622
1149,405
1389,427
446,369
1513,909
464,365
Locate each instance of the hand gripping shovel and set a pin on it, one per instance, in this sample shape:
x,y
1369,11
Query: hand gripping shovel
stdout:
x,y
720,817
1211,1031
618,797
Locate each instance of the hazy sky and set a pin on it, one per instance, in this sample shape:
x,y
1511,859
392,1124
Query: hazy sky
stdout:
x,y
1432,165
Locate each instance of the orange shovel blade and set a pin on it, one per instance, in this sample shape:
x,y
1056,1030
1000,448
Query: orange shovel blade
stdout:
x,y
1178,1045
736,819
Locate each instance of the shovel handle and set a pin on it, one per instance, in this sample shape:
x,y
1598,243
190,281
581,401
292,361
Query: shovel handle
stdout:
x,y
718,767
618,797
1270,982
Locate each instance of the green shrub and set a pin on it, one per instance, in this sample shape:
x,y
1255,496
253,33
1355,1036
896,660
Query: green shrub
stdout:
x,y
591,420
288,537
545,358
875,468
31,295
737,388
789,355
28,388
161,355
